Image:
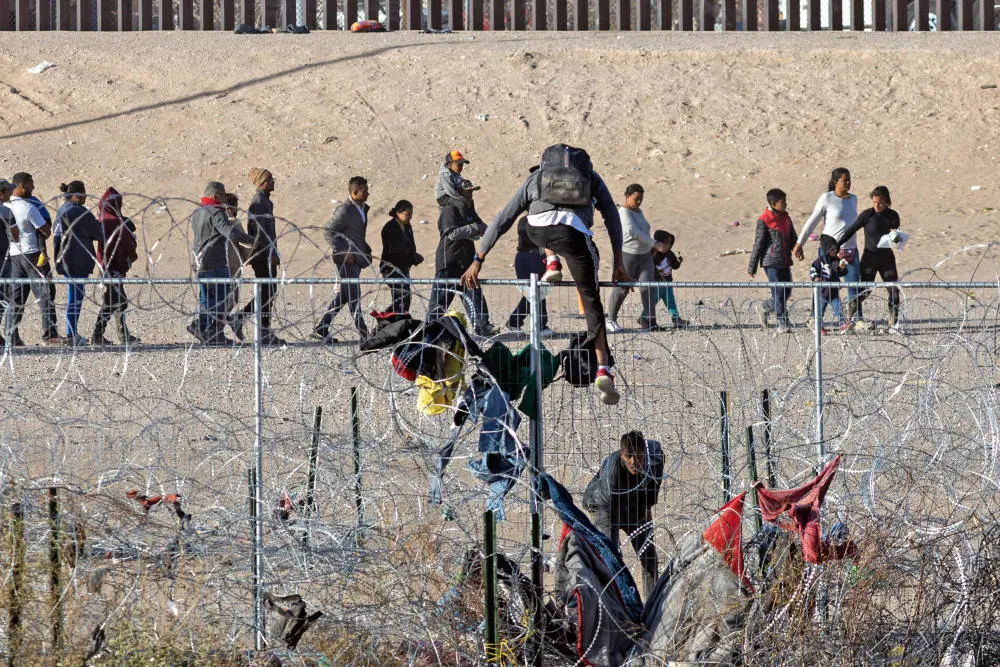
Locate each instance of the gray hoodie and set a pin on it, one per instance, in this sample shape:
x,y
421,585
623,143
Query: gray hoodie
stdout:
x,y
448,185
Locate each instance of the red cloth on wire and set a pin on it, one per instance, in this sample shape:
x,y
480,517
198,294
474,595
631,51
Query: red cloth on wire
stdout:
x,y
726,536
802,506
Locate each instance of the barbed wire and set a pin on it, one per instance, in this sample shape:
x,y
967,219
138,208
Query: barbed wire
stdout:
x,y
150,448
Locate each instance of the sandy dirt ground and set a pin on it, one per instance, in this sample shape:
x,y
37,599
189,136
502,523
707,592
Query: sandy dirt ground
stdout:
x,y
706,122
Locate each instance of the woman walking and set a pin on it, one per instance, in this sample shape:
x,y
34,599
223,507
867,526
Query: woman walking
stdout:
x,y
399,254
116,255
637,244
75,252
878,221
838,209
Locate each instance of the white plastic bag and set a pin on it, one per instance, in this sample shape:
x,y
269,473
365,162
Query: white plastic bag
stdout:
x,y
894,240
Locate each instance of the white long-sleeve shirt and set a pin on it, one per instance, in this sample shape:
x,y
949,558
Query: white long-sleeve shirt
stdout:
x,y
636,238
837,214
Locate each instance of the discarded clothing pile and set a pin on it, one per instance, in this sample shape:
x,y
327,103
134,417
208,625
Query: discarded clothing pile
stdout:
x,y
700,604
502,378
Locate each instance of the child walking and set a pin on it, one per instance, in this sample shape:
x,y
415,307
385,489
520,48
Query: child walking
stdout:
x,y
772,251
665,263
828,269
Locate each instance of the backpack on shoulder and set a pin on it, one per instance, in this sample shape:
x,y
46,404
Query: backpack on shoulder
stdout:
x,y
566,176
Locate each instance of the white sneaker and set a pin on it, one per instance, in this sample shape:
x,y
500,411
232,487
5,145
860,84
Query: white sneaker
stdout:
x,y
612,325
553,271
895,330
605,384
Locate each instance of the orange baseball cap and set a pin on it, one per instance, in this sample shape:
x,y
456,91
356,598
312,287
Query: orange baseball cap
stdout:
x,y
455,156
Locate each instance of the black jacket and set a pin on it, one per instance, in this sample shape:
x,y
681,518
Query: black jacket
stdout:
x,y
399,249
260,225
459,226
876,225
605,492
76,253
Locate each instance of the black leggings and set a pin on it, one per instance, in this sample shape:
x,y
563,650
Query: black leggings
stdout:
x,y
881,261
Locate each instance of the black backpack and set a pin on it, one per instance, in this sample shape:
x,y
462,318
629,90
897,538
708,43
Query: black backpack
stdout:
x,y
579,361
565,178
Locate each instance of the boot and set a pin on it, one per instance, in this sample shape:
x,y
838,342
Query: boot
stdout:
x,y
127,337
98,336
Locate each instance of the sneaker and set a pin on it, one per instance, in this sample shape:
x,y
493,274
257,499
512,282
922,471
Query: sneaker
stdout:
x,y
845,327
130,339
271,340
320,334
50,341
763,313
553,271
861,325
100,341
679,322
237,324
74,341
652,327
823,332
196,332
612,326
605,384
784,326
220,340
546,333
895,330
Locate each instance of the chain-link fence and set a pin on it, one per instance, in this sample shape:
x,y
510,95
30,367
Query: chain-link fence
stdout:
x,y
156,493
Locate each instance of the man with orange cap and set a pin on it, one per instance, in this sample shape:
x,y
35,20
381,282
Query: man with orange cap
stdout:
x,y
449,182
264,258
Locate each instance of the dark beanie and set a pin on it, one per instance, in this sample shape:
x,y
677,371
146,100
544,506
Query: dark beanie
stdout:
x,y
826,243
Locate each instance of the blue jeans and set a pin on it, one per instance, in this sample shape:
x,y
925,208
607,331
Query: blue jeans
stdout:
x,y
779,295
832,300
212,302
665,293
74,303
853,275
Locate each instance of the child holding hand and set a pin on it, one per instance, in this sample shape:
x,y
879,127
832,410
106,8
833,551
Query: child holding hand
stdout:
x,y
665,263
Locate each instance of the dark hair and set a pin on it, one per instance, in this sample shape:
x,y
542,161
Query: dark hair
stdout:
x,y
663,236
835,176
633,443
632,189
356,183
20,178
401,205
73,188
775,195
828,243
883,192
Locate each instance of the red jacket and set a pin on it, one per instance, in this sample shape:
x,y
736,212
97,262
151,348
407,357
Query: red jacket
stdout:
x,y
119,250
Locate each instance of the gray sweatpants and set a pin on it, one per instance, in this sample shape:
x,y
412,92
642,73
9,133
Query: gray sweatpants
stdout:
x,y
640,268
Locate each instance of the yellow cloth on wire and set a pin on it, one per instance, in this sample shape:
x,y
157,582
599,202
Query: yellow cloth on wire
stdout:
x,y
436,396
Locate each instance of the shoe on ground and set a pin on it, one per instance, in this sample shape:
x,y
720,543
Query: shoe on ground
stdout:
x,y
51,341
17,341
612,326
237,324
763,314
605,383
320,334
645,326
131,339
679,322
785,326
553,271
271,340
196,332
895,330
546,333
845,327
75,340
861,325
100,341
220,341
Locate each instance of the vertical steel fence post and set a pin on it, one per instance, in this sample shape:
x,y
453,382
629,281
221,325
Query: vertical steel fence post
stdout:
x,y
258,500
818,322
537,463
727,491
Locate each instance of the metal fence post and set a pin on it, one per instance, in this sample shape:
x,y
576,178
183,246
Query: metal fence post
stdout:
x,y
536,467
258,490
724,442
490,585
818,321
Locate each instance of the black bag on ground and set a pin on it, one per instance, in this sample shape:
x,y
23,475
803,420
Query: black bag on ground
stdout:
x,y
579,361
566,176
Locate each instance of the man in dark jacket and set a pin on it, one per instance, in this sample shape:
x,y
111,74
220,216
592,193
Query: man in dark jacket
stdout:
x,y
566,230
459,226
264,258
622,494
350,251
772,251
76,252
213,232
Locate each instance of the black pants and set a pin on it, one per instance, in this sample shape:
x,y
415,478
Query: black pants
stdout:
x,y
578,251
115,302
263,269
640,534
526,263
402,295
881,261
472,299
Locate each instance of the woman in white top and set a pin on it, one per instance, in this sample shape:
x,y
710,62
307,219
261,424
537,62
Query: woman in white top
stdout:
x,y
637,244
839,209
